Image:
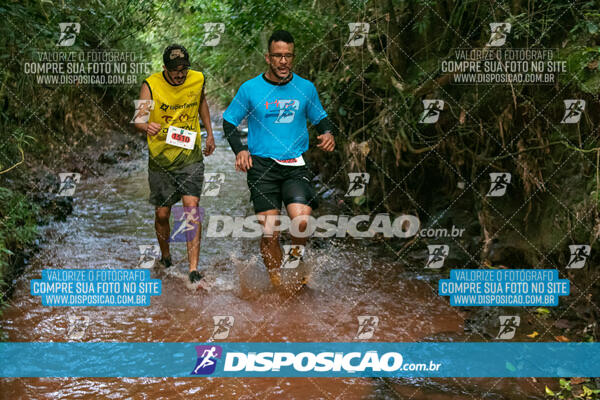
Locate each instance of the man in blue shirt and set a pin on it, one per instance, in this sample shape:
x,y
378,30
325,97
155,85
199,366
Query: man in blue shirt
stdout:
x,y
277,105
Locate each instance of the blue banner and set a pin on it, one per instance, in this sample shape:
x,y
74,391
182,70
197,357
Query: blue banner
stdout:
x,y
362,359
95,287
506,287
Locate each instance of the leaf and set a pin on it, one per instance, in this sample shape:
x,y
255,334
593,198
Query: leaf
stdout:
x,y
588,392
549,392
533,334
542,310
564,384
562,338
7,251
360,200
510,367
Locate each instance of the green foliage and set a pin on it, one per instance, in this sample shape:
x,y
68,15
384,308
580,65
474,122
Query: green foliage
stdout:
x,y
37,120
18,229
572,391
32,113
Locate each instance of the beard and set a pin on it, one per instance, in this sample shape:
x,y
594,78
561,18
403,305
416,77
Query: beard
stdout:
x,y
276,73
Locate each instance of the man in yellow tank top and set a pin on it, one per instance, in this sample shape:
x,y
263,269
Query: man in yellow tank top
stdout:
x,y
175,156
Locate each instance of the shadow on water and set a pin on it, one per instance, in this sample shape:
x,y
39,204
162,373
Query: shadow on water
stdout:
x,y
112,218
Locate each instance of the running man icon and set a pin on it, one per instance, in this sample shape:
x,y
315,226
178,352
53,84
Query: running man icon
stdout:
x,y
358,183
499,182
499,33
68,182
431,111
187,223
579,254
223,324
437,255
366,326
508,326
207,359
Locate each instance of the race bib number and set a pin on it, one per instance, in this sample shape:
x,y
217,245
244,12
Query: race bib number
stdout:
x,y
181,137
292,162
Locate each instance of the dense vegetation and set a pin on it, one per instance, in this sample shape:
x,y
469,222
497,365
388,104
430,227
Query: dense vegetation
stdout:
x,y
44,127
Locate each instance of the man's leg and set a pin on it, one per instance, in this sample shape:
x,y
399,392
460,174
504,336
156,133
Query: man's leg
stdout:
x,y
299,214
163,231
300,199
193,246
269,244
189,181
264,182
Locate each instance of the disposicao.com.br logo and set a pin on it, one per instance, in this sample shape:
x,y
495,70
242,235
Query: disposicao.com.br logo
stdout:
x,y
313,363
356,226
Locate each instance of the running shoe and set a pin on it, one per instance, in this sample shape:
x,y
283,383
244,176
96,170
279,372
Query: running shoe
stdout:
x,y
166,261
195,276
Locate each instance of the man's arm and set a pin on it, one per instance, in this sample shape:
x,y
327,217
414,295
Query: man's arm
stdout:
x,y
326,140
233,136
205,116
243,159
151,128
235,113
315,112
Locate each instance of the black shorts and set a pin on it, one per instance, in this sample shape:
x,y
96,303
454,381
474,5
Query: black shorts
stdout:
x,y
167,187
271,184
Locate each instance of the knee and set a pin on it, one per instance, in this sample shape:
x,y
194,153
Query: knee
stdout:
x,y
190,201
302,224
299,224
162,216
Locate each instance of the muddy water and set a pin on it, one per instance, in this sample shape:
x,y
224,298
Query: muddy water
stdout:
x,y
112,218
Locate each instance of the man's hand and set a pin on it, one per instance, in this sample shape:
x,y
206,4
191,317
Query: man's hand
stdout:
x,y
153,128
327,142
209,147
243,161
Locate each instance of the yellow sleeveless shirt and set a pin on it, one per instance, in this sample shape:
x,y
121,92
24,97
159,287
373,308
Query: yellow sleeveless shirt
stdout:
x,y
177,106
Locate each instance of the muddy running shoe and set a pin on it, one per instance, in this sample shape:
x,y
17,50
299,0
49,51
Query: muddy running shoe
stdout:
x,y
304,271
166,261
275,276
304,280
195,276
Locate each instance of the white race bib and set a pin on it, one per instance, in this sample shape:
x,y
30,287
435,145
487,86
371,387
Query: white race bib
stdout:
x,y
181,137
292,162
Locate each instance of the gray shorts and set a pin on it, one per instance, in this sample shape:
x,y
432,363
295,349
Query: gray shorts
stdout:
x,y
167,187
